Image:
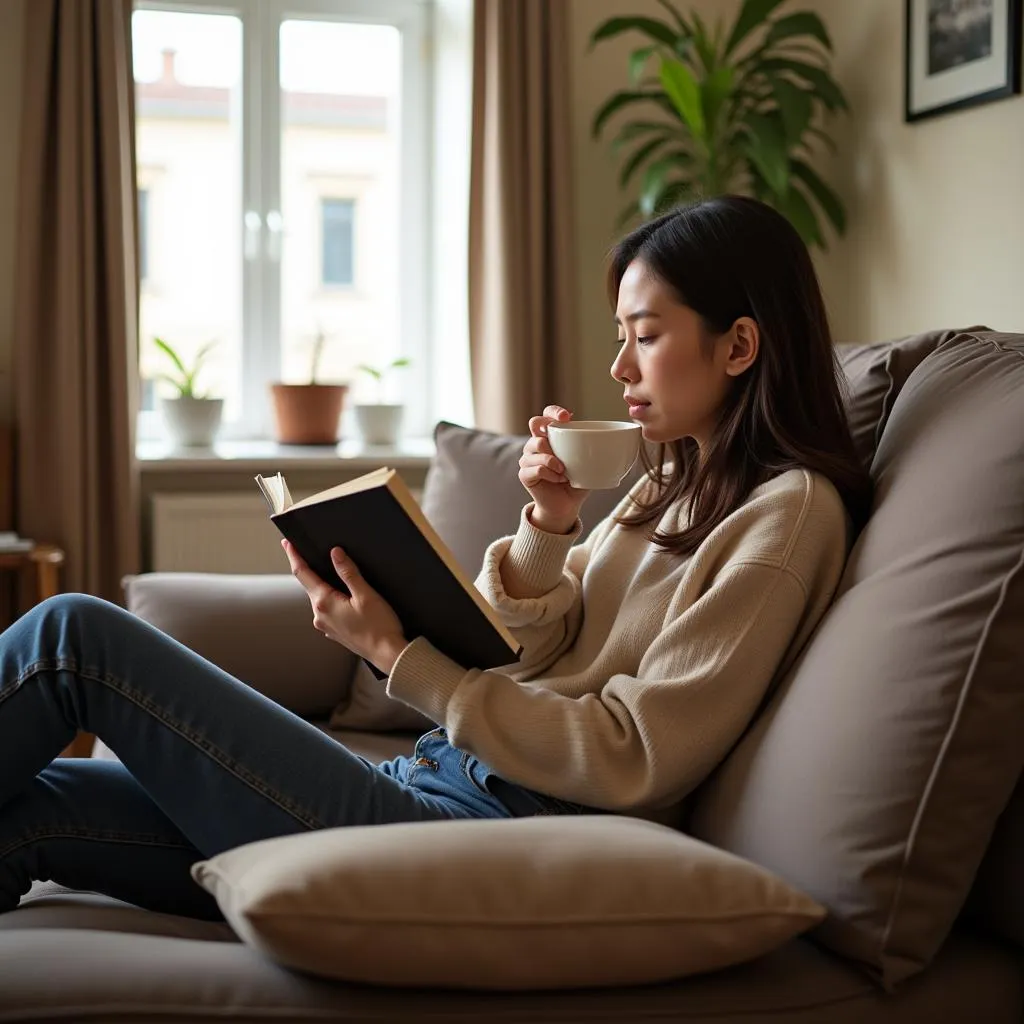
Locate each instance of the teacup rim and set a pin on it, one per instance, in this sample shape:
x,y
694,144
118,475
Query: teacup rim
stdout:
x,y
594,425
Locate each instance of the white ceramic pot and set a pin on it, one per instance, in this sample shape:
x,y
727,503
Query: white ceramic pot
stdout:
x,y
378,424
192,422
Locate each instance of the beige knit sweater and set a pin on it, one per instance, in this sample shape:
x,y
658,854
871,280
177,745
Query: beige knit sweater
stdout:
x,y
640,669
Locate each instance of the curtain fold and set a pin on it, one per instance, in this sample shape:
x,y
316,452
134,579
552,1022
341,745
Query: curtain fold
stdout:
x,y
522,272
76,299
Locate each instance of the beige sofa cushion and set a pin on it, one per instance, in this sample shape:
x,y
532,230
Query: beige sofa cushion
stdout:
x,y
258,628
531,903
876,774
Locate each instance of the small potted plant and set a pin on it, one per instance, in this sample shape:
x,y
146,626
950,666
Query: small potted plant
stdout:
x,y
192,418
379,421
308,413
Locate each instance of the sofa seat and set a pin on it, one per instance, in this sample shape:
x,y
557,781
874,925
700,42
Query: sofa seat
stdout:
x,y
122,963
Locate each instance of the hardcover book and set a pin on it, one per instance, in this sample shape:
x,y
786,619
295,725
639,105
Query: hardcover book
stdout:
x,y
377,522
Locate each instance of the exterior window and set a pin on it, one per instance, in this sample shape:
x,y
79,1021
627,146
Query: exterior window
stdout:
x,y
336,226
270,124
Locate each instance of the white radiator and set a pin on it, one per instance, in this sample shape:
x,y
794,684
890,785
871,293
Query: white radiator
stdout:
x,y
214,533
227,532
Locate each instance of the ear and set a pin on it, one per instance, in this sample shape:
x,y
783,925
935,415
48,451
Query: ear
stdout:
x,y
744,342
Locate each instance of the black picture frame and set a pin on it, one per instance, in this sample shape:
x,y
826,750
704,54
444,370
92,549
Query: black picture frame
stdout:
x,y
1011,61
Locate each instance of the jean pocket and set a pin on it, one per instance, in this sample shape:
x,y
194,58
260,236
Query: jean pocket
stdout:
x,y
466,765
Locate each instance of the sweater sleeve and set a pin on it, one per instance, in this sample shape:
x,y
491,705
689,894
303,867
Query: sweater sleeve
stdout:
x,y
643,741
534,580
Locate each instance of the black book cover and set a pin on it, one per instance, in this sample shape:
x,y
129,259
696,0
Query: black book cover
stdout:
x,y
404,567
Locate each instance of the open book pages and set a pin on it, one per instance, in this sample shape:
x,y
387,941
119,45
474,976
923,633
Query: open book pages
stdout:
x,y
275,490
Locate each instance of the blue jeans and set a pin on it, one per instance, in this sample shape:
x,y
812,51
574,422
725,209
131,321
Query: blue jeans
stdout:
x,y
206,764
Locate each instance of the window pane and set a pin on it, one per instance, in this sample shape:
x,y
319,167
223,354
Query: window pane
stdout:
x,y
336,225
340,89
188,135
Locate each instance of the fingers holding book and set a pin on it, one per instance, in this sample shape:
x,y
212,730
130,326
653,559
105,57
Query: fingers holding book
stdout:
x,y
361,620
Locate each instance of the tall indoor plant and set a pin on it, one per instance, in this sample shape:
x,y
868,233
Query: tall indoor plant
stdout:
x,y
727,110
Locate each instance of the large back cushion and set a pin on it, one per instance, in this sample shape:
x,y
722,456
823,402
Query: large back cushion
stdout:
x,y
874,777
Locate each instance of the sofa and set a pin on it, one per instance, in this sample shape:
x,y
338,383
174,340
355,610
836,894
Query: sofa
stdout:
x,y
882,776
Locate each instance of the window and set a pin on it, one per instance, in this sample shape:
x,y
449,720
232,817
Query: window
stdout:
x,y
290,141
336,217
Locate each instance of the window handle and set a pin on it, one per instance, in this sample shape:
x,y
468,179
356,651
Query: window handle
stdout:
x,y
275,226
253,222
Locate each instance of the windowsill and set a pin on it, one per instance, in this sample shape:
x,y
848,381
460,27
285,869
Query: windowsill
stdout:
x,y
263,456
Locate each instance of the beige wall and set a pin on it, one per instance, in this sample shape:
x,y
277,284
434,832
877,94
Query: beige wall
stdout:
x,y
10,106
936,208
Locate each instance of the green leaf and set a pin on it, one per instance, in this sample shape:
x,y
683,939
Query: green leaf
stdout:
x,y
799,213
795,107
816,76
619,100
803,23
684,28
684,93
656,30
400,362
171,354
819,134
638,61
654,184
635,129
752,14
827,199
371,370
715,90
703,43
639,156
766,148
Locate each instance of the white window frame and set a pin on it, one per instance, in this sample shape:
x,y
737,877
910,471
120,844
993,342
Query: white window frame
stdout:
x,y
261,225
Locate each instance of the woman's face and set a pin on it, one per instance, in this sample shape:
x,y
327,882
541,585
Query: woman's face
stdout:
x,y
674,388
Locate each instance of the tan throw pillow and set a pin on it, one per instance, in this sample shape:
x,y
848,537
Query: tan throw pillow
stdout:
x,y
528,903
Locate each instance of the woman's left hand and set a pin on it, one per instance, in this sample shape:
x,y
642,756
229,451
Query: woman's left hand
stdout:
x,y
363,622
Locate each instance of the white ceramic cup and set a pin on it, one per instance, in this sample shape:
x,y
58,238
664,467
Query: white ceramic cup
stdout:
x,y
597,454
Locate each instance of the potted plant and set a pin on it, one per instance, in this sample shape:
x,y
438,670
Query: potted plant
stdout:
x,y
192,419
379,421
308,413
735,110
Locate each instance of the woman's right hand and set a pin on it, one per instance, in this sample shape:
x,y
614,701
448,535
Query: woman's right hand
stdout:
x,y
556,502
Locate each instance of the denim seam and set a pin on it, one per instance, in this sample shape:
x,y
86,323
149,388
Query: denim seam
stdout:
x,y
98,835
201,743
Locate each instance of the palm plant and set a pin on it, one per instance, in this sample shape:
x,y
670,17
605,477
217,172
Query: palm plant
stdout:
x,y
734,110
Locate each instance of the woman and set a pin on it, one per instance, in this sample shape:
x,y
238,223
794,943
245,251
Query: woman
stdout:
x,y
647,649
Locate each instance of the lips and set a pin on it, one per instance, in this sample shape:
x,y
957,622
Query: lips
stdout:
x,y
635,403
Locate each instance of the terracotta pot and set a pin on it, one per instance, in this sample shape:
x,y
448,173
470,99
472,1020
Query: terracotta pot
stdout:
x,y
307,413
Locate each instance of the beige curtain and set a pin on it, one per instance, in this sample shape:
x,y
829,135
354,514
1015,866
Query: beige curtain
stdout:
x,y
522,272
76,314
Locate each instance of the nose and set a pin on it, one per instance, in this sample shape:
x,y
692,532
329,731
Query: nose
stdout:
x,y
622,369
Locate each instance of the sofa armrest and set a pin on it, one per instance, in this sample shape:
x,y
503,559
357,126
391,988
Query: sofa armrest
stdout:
x,y
259,628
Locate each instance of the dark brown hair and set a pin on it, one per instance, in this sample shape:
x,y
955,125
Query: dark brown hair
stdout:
x,y
726,258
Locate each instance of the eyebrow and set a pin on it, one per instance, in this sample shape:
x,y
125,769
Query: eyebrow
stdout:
x,y
640,314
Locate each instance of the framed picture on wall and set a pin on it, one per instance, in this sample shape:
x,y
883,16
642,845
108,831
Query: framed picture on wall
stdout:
x,y
960,53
